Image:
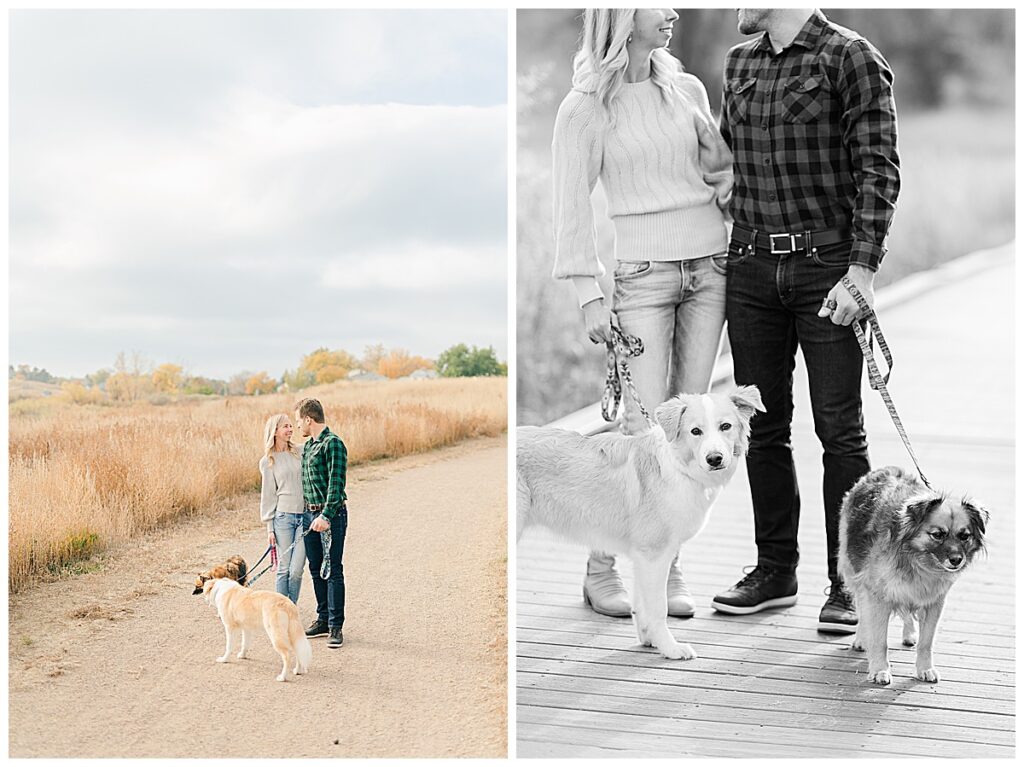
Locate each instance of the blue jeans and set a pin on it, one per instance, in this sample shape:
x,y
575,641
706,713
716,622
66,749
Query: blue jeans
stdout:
x,y
330,593
772,308
677,308
287,528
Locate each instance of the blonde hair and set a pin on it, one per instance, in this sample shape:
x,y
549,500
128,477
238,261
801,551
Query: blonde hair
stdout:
x,y
270,432
599,66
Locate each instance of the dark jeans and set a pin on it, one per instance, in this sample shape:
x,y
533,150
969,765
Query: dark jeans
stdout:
x,y
330,593
772,304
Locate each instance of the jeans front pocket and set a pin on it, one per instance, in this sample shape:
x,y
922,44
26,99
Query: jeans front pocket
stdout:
x,y
739,252
625,270
720,263
833,256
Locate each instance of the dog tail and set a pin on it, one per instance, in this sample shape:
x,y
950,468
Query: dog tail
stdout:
x,y
303,649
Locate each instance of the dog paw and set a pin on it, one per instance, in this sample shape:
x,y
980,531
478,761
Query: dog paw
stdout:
x,y
281,678
857,645
880,677
679,651
223,659
241,656
927,674
909,641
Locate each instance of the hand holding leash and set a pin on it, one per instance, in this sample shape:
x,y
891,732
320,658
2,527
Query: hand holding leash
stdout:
x,y
319,524
840,305
598,320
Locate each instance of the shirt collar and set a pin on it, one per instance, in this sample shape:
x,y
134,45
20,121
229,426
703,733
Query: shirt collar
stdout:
x,y
807,37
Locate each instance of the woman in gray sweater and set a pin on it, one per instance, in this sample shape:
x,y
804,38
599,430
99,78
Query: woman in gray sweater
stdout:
x,y
642,127
281,506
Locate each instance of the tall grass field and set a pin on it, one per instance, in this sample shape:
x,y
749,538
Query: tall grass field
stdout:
x,y
83,477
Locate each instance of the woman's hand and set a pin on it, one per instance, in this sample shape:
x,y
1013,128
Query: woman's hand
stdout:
x,y
598,320
271,540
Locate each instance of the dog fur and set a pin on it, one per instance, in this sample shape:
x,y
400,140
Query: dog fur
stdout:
x,y
641,495
235,569
901,548
246,610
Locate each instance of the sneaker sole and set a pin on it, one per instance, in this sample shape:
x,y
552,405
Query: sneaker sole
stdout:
x,y
314,636
332,646
765,605
837,628
588,603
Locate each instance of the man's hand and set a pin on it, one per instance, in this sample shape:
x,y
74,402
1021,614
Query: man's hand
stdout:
x,y
319,524
598,321
840,304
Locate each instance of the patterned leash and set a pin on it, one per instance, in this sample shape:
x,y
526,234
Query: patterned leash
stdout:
x,y
620,348
868,331
273,559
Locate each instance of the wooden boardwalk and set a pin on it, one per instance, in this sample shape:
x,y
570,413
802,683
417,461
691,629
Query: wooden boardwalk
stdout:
x,y
769,685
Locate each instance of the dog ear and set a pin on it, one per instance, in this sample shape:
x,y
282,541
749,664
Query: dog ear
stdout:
x,y
978,515
919,508
669,416
201,580
747,400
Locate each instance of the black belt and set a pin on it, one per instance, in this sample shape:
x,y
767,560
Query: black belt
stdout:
x,y
784,243
315,506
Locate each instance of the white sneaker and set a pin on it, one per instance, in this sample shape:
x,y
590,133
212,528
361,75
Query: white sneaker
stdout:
x,y
603,589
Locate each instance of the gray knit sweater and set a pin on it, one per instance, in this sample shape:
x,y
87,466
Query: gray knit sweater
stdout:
x,y
665,169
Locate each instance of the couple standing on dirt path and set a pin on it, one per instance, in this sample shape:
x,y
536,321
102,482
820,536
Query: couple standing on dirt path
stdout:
x,y
294,489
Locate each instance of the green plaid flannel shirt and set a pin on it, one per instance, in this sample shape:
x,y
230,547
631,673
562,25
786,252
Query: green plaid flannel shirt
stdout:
x,y
324,465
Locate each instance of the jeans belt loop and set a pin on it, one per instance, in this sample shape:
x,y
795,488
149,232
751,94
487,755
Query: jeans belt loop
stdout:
x,y
809,250
753,242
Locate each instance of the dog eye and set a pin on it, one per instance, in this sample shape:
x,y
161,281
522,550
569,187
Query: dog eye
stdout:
x,y
725,426
695,431
963,535
938,534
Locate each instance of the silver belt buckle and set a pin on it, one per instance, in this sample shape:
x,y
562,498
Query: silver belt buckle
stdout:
x,y
792,244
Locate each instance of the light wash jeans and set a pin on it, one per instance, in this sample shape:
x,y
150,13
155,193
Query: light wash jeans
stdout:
x,y
288,527
677,308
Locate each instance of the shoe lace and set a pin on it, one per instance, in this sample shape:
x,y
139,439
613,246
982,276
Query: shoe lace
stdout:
x,y
839,596
754,577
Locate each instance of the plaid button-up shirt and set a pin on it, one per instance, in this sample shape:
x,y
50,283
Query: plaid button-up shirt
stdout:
x,y
324,465
813,136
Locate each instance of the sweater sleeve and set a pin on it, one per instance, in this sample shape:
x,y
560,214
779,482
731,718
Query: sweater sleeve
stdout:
x,y
576,165
714,155
268,494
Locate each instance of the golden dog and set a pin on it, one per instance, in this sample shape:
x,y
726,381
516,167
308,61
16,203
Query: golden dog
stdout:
x,y
246,611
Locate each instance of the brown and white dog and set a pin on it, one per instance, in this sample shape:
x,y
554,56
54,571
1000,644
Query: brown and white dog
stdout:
x,y
901,548
246,611
641,495
235,569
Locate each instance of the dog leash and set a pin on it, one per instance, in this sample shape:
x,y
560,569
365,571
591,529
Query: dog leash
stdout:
x,y
273,559
868,331
621,347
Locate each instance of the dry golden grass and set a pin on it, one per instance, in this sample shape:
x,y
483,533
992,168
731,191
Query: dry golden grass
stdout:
x,y
82,477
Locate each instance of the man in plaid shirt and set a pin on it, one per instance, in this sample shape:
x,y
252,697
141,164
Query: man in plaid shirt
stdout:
x,y
324,466
808,112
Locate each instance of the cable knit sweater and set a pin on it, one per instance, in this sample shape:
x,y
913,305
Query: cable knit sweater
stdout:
x,y
665,169
282,487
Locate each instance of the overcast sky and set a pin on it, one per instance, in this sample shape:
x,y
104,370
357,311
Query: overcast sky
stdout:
x,y
230,190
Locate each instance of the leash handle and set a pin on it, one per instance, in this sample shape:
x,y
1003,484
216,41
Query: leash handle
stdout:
x,y
620,347
867,329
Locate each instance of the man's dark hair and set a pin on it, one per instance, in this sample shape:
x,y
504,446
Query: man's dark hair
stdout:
x,y
311,408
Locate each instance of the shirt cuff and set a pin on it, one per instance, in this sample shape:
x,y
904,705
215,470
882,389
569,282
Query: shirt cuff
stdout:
x,y
587,288
867,254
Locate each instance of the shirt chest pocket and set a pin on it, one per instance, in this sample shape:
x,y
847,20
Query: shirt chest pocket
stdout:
x,y
741,92
804,99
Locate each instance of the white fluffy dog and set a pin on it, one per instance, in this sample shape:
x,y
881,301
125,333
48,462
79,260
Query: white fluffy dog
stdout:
x,y
642,495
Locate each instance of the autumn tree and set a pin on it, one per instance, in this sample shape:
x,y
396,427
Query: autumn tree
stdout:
x,y
167,378
399,363
328,365
260,383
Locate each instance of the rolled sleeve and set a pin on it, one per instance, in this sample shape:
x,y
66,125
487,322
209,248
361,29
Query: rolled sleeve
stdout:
x,y
337,469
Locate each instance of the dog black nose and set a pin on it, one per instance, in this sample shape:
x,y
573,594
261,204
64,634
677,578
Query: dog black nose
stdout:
x,y
955,560
714,460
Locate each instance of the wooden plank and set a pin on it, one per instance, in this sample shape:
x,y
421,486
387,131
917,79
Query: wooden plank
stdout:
x,y
842,659
675,734
571,686
904,690
934,735
854,675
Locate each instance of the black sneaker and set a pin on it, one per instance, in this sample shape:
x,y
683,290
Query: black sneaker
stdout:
x,y
336,639
761,588
317,628
839,615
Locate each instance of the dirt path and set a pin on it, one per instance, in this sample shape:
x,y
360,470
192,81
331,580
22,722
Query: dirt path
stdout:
x,y
120,662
